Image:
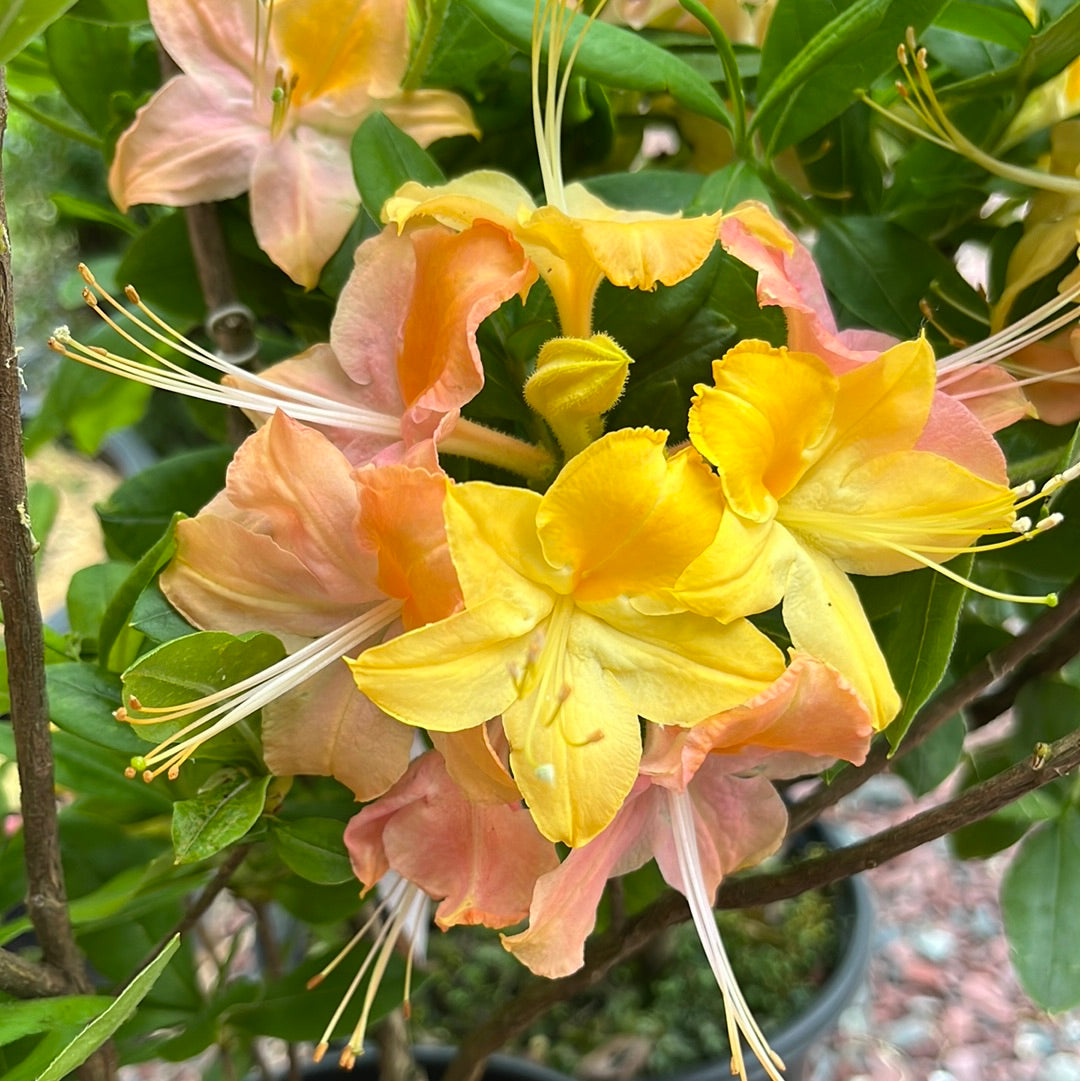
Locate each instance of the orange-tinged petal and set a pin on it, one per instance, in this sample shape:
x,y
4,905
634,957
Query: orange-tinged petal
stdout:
x,y
475,759
402,520
763,422
810,711
460,279
625,517
428,115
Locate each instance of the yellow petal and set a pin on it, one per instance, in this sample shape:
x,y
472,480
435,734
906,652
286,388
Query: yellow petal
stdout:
x,y
484,194
576,759
763,422
823,613
625,518
450,675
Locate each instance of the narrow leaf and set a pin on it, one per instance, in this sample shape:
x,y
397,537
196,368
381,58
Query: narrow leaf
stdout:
x,y
18,1019
101,1028
21,20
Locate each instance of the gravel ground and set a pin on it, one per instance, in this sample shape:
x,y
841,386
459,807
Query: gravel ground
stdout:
x,y
942,1003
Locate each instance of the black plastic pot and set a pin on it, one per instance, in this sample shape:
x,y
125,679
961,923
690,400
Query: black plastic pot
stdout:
x,y
434,1059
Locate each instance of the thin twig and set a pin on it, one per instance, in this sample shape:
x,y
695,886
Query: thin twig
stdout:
x,y
947,704
197,909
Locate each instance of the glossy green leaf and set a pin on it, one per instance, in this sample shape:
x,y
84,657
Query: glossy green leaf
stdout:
x,y
817,56
383,158
611,55
89,62
190,668
314,848
111,12
117,642
18,1019
82,698
919,642
90,592
101,1028
999,21
216,818
21,20
155,618
1041,916
136,515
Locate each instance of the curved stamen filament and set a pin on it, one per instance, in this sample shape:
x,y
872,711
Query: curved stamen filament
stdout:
x,y
740,1021
407,902
235,703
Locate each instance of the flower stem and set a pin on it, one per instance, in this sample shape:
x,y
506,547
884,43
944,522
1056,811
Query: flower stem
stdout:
x,y
472,440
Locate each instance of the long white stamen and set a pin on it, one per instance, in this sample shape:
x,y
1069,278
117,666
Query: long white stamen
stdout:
x,y
740,1021
242,699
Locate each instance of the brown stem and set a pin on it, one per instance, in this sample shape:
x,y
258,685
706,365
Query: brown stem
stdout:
x,y
24,979
46,898
608,950
953,699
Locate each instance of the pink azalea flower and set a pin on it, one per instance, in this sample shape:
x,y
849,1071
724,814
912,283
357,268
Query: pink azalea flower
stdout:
x,y
703,806
479,861
268,101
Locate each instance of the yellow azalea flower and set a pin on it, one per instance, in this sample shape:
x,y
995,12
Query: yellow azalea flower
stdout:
x,y
822,480
575,240
551,637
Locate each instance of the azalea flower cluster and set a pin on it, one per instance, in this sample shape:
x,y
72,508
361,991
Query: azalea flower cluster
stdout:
x,y
577,649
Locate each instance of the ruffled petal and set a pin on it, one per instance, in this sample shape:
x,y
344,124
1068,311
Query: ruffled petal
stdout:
x,y
483,194
213,42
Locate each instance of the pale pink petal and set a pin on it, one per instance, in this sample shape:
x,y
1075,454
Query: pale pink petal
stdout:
x,y
226,578
563,909
326,727
480,861
954,432
739,821
303,200
212,40
186,146
1056,398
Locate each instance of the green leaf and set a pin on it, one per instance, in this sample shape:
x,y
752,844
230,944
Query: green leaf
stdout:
x,y
71,206
611,55
919,642
818,54
90,592
18,1019
215,819
155,618
89,62
190,668
82,698
117,642
314,848
101,1028
136,515
112,12
383,158
999,21
1041,916
881,272
21,20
